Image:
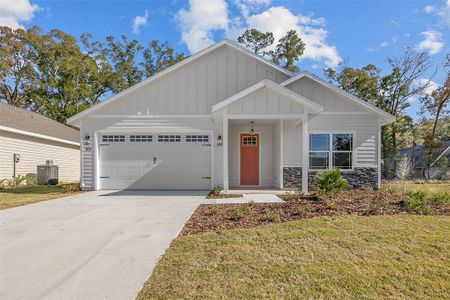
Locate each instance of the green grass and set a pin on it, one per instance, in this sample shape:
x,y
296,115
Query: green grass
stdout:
x,y
428,188
13,197
395,257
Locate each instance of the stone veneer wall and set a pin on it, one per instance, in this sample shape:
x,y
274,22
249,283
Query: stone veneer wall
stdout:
x,y
292,177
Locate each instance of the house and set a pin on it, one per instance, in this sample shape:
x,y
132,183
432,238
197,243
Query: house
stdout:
x,y
28,139
227,117
417,158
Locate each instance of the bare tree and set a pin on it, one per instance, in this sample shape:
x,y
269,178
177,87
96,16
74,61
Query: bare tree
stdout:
x,y
404,168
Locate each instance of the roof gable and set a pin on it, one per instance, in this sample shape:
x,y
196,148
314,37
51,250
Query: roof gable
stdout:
x,y
224,43
355,100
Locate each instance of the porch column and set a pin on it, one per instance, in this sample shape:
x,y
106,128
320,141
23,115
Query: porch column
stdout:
x,y
225,149
305,151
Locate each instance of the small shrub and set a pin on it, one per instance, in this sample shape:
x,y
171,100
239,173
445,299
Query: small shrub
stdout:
x,y
30,180
70,187
216,191
441,198
329,203
213,210
270,216
376,203
239,213
330,182
416,201
17,181
404,168
299,212
367,187
291,197
4,183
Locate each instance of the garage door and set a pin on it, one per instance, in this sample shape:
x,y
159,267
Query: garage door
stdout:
x,y
157,161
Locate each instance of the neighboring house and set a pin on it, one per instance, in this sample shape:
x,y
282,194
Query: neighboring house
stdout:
x,y
416,155
227,117
36,139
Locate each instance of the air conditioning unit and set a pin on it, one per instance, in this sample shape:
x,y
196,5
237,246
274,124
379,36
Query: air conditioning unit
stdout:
x,y
47,174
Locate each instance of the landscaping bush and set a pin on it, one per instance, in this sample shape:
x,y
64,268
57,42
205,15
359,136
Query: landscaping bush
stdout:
x,y
330,182
213,210
30,180
376,203
240,212
271,216
441,198
70,187
216,191
416,201
291,197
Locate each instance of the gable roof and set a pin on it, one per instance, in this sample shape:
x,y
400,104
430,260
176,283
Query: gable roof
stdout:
x,y
379,112
314,107
224,43
18,120
415,153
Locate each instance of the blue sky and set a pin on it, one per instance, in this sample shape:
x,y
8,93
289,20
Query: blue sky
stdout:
x,y
353,32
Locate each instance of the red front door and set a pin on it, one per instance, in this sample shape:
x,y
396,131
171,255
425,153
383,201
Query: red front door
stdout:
x,y
249,159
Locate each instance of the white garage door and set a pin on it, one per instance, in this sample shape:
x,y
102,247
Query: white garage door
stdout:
x,y
156,161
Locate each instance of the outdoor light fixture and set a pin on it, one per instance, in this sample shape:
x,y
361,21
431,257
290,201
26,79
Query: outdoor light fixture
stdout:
x,y
219,140
87,137
252,131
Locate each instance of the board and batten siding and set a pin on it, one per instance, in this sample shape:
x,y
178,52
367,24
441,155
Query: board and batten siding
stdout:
x,y
196,87
35,151
292,144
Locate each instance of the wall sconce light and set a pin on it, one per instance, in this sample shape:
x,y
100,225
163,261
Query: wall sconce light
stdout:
x,y
87,137
219,140
252,131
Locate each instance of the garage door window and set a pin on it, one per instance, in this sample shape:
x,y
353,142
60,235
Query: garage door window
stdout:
x,y
197,138
113,138
169,138
141,138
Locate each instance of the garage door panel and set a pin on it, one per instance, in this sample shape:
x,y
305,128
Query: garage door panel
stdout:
x,y
155,165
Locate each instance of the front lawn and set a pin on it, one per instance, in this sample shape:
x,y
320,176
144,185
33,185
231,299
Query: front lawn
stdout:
x,y
400,256
12,197
426,187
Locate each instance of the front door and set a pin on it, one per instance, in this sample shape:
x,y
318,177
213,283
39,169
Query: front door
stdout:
x,y
249,159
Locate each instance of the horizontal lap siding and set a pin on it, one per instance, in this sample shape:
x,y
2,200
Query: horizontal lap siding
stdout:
x,y
366,131
34,152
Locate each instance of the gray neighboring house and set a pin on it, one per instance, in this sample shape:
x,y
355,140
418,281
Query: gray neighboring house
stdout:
x,y
36,139
415,153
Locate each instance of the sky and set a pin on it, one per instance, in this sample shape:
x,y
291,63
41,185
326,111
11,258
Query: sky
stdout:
x,y
351,33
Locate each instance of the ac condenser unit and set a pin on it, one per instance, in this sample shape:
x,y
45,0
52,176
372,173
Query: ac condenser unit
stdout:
x,y
47,174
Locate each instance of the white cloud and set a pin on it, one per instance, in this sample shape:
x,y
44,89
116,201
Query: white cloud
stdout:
x,y
432,86
392,41
200,20
13,12
279,20
444,13
429,9
432,42
139,21
246,6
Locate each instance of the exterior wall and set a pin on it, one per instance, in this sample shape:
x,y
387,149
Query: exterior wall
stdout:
x,y
329,100
292,144
265,146
265,101
197,86
35,151
292,178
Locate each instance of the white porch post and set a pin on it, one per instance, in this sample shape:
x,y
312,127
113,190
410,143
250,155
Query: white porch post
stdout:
x,y
225,149
305,152
281,183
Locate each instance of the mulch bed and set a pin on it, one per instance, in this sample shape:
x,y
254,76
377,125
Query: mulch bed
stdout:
x,y
219,217
222,196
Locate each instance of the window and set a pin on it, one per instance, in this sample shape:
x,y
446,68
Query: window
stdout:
x,y
197,138
113,138
169,138
141,138
249,141
328,151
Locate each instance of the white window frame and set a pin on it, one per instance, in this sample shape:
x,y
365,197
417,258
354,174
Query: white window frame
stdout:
x,y
141,138
113,138
169,138
197,138
330,149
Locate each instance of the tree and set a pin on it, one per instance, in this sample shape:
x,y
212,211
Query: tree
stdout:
x,y
16,70
66,78
256,40
289,49
123,56
404,168
159,57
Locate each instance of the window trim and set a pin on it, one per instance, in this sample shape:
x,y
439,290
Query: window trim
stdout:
x,y
119,137
331,151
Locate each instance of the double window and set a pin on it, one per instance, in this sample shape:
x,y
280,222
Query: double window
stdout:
x,y
327,151
113,138
141,138
197,138
169,138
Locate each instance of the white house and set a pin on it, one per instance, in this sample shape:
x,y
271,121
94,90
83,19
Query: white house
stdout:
x,y
28,139
227,117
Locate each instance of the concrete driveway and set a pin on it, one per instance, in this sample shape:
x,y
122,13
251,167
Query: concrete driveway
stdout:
x,y
95,245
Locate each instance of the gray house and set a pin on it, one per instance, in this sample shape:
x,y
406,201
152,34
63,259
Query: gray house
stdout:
x,y
33,139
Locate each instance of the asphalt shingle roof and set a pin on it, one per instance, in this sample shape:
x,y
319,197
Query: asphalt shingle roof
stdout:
x,y
18,118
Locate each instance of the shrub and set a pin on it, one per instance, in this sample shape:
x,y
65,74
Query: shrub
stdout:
x,y
4,183
330,182
416,201
377,202
30,180
404,168
271,216
291,197
299,212
367,187
216,191
17,181
239,213
441,198
70,187
213,210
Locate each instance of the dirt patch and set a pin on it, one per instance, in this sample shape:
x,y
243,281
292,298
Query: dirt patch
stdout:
x,y
219,217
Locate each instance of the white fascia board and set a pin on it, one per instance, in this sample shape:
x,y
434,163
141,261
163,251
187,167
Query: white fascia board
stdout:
x,y
380,113
274,87
75,119
37,135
